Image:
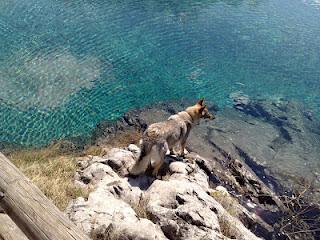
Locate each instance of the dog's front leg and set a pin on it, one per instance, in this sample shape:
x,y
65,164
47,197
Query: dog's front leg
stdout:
x,y
183,143
183,146
184,140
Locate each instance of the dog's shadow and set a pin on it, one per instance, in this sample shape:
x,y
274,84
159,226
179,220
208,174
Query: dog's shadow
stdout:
x,y
145,180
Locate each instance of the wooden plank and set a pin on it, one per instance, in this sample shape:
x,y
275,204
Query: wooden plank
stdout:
x,y
9,230
29,208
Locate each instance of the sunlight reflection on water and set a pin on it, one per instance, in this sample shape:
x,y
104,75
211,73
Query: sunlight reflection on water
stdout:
x,y
66,65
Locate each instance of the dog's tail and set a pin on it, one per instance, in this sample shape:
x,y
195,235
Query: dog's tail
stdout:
x,y
143,161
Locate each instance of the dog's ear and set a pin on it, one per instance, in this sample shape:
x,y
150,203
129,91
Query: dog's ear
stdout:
x,y
200,102
201,109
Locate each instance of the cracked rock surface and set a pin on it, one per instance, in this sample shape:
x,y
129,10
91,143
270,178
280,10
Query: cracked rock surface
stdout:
x,y
177,206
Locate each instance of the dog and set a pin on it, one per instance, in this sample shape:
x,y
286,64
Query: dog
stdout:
x,y
160,137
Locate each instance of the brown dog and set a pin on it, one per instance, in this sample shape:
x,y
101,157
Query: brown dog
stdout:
x,y
163,136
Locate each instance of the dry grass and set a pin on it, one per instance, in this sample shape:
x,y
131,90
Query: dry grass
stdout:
x,y
52,168
93,150
140,208
109,233
50,171
301,219
123,139
120,140
226,229
228,202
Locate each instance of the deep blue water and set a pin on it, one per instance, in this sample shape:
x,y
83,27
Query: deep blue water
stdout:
x,y
66,65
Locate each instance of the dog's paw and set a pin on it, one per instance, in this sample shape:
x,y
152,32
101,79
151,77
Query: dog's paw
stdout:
x,y
179,157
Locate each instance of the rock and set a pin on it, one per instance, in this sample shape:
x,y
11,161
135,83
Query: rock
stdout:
x,y
184,210
134,149
108,209
277,134
110,213
178,208
179,215
141,229
80,184
120,160
240,100
95,172
83,162
97,159
273,138
179,168
188,171
255,149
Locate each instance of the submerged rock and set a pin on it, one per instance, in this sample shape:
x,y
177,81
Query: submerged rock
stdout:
x,y
255,149
275,138
240,100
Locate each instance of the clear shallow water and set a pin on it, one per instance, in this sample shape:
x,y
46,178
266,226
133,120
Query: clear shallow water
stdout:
x,y
66,65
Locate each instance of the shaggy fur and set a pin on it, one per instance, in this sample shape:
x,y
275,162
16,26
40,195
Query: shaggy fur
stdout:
x,y
163,136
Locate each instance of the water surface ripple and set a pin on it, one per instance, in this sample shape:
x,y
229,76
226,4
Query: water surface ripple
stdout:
x,y
66,65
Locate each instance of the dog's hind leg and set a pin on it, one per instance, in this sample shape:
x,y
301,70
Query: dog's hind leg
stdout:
x,y
144,159
140,166
162,150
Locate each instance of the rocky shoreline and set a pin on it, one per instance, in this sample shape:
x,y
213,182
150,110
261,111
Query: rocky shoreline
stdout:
x,y
278,139
244,176
249,151
182,204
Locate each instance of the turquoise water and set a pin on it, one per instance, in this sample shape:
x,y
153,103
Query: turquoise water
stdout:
x,y
66,65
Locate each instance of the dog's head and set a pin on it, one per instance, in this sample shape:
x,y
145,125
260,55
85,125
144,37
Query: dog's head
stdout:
x,y
199,110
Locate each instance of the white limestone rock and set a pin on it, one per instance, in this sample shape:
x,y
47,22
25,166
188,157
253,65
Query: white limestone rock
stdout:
x,y
178,208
